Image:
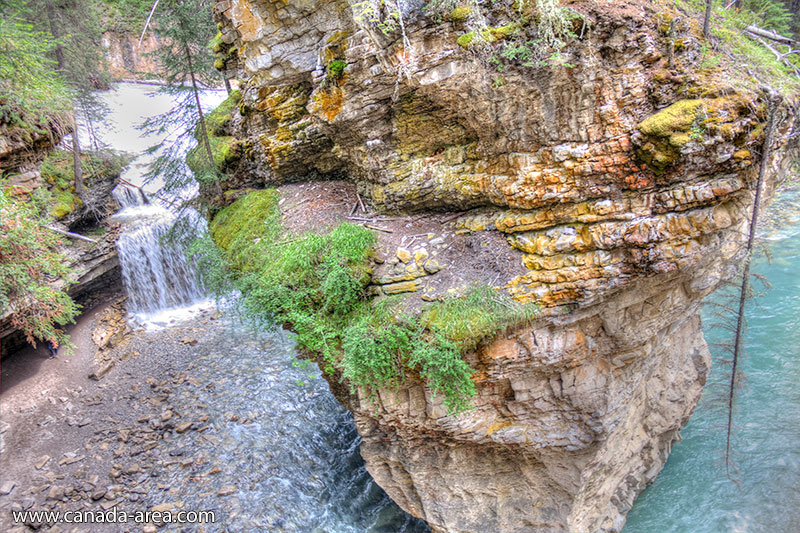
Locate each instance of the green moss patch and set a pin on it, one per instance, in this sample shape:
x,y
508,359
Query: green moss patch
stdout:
x,y
465,40
677,118
336,69
65,202
225,149
217,121
460,13
58,172
481,313
668,131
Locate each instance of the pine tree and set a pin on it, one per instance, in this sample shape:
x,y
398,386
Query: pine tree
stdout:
x,y
75,24
186,26
31,91
29,261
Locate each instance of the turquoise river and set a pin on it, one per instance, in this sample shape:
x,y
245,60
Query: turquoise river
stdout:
x,y
693,494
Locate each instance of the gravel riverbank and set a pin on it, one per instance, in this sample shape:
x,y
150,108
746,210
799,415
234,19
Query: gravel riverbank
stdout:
x,y
200,417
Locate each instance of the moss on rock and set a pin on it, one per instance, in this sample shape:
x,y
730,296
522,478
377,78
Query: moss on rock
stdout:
x,y
677,118
65,202
465,40
58,172
669,130
235,228
460,13
225,149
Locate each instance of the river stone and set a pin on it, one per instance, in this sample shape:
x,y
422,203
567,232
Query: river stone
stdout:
x,y
7,487
227,490
183,427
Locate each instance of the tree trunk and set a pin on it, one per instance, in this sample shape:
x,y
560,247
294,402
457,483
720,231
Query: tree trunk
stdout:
x,y
671,47
203,131
707,20
227,84
54,31
774,101
76,164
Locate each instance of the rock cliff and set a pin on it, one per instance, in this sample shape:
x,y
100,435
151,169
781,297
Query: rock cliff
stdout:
x,y
128,59
607,180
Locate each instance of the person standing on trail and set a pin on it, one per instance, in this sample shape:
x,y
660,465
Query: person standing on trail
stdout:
x,y
52,348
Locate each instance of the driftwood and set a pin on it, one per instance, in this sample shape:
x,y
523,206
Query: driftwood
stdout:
x,y
126,182
386,230
71,235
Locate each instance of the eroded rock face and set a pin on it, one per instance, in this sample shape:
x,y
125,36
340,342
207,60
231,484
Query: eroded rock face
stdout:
x,y
622,187
127,58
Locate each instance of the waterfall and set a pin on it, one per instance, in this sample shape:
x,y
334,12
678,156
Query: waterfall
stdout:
x,y
155,271
128,196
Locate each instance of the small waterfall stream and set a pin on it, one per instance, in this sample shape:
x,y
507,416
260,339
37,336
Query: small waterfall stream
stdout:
x,y
300,462
155,271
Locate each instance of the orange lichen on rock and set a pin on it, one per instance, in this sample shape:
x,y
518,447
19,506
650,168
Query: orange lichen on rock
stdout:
x,y
327,102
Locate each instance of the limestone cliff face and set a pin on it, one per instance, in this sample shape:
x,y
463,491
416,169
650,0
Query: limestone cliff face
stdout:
x,y
127,58
616,187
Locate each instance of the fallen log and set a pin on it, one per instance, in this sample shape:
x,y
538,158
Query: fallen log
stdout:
x,y
771,35
72,235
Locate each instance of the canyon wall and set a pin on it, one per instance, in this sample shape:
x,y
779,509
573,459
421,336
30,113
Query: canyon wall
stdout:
x,y
127,58
603,184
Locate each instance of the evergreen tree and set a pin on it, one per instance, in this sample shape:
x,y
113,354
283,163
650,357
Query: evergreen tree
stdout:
x,y
76,25
29,261
31,91
186,27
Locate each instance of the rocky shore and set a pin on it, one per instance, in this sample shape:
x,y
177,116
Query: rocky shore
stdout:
x,y
131,441
200,417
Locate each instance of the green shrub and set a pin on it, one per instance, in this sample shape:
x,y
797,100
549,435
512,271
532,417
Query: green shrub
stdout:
x,y
315,284
336,69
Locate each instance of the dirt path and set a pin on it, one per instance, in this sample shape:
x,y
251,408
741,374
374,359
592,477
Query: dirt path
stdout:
x,y
73,443
29,379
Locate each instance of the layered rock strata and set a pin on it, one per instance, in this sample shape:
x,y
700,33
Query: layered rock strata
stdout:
x,y
617,186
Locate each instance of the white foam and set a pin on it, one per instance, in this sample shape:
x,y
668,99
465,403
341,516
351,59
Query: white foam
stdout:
x,y
174,316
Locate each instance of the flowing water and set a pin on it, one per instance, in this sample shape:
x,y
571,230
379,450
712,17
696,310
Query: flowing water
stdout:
x,y
301,463
155,271
297,463
692,494
302,466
